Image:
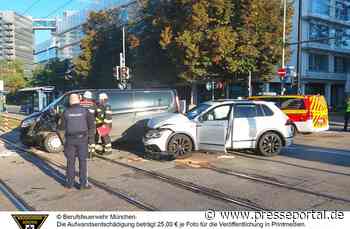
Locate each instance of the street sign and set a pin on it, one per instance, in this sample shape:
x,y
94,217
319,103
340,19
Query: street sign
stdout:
x,y
281,72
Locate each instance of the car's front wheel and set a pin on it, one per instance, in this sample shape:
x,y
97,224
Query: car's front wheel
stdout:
x,y
180,146
52,143
270,144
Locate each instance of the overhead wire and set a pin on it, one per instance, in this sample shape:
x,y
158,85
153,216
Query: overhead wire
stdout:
x,y
30,7
58,8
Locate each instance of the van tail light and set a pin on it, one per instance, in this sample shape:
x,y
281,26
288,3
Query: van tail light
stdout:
x,y
177,103
289,122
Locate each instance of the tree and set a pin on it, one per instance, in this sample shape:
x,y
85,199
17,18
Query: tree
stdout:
x,y
211,39
12,73
54,73
100,50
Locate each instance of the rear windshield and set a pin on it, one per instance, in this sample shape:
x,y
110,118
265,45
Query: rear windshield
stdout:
x,y
286,103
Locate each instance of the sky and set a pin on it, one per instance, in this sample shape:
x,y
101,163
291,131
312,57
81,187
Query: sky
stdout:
x,y
43,8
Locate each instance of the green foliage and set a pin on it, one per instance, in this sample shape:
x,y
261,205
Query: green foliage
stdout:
x,y
100,50
11,72
220,38
53,73
186,40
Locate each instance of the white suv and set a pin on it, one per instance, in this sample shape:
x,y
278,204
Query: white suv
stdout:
x,y
221,125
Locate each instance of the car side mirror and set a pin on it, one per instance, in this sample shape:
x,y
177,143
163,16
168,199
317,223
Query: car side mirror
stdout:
x,y
200,119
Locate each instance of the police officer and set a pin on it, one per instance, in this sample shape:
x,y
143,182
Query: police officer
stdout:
x,y
347,114
79,127
89,103
104,117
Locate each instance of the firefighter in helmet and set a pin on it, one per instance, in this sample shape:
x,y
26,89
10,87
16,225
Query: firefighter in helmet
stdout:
x,y
104,124
89,103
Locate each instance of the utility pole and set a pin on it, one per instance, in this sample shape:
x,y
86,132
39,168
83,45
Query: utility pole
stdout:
x,y
284,42
250,84
299,47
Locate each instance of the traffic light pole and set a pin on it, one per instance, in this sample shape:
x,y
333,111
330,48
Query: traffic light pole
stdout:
x,y
299,48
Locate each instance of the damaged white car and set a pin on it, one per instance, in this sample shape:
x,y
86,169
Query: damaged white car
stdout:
x,y
219,126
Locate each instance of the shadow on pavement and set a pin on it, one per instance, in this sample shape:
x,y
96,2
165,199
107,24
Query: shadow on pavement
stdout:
x,y
46,168
318,154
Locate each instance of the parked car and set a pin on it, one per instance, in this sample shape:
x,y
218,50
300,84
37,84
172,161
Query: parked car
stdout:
x,y
219,126
131,110
309,113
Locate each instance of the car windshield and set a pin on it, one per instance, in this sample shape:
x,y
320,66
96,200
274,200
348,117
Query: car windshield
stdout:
x,y
53,104
194,112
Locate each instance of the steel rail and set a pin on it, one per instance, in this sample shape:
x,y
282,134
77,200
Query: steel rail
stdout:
x,y
92,180
189,186
15,198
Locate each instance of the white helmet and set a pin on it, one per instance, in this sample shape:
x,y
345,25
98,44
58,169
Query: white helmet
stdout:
x,y
103,96
87,95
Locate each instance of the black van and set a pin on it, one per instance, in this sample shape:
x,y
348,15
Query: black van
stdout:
x,y
131,109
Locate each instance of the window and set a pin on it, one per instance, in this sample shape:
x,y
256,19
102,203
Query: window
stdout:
x,y
296,104
321,7
342,38
218,113
318,62
319,31
153,99
339,64
342,9
267,111
194,112
246,111
120,101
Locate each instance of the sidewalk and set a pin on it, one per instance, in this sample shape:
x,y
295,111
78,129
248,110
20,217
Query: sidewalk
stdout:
x,y
336,119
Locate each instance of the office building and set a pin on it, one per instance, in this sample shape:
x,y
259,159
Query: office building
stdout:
x,y
17,39
325,49
65,43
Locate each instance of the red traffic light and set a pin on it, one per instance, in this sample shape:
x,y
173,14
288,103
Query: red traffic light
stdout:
x,y
282,72
219,85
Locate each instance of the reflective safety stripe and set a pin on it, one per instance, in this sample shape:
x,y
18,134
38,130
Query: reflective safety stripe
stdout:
x,y
108,145
108,112
108,121
92,111
99,110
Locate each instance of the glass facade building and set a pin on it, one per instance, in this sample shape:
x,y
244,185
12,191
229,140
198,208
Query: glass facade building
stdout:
x,y
324,61
69,32
17,39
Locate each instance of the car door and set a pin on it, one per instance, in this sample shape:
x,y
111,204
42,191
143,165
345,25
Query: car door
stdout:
x,y
245,126
212,128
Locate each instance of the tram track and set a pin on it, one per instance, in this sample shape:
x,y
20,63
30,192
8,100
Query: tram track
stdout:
x,y
19,203
111,190
275,183
244,155
215,194
230,173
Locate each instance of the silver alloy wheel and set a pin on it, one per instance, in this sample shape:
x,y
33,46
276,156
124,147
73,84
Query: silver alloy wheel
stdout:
x,y
270,144
180,145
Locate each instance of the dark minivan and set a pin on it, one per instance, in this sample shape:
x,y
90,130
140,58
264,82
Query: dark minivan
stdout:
x,y
131,110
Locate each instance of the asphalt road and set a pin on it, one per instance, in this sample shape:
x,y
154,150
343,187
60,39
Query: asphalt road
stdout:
x,y
318,163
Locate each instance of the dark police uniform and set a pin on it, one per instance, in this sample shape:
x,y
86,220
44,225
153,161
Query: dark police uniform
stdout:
x,y
104,117
80,129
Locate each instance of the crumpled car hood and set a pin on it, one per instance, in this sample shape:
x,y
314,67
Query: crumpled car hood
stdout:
x,y
167,119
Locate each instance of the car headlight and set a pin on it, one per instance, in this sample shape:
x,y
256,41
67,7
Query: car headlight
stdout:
x,y
154,134
27,122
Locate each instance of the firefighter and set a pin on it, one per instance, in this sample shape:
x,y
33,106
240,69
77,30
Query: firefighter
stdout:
x,y
104,120
88,103
79,130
